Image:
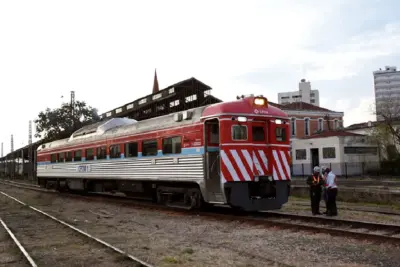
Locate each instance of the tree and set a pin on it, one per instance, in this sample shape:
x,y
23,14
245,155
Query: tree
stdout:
x,y
62,122
387,131
388,113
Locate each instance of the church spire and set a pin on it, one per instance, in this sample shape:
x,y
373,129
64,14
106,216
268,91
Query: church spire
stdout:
x,y
155,85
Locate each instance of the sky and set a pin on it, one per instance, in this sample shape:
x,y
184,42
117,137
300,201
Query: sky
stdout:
x,y
107,51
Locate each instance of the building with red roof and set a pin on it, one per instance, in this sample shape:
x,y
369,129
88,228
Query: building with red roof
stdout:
x,y
307,119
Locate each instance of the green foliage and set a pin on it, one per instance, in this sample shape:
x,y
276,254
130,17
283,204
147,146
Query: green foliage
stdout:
x,y
62,122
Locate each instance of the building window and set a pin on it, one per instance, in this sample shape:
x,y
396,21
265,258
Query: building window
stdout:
x,y
320,124
174,103
360,150
328,153
280,134
78,155
336,124
258,134
312,95
90,154
115,151
149,148
191,98
301,154
239,132
101,152
172,145
293,126
307,126
131,150
312,101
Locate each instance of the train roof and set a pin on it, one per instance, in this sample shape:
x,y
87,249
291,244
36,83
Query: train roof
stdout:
x,y
118,127
244,106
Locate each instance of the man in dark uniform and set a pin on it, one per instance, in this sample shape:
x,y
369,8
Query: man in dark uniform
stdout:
x,y
315,181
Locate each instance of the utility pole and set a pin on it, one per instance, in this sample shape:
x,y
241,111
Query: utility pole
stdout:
x,y
30,164
12,171
12,143
1,149
72,102
30,133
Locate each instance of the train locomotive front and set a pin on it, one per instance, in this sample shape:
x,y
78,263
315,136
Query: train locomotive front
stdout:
x,y
253,152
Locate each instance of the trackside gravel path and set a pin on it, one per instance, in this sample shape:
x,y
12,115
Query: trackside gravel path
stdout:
x,y
52,244
10,255
169,239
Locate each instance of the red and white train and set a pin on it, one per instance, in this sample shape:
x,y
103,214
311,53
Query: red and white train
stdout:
x,y
234,153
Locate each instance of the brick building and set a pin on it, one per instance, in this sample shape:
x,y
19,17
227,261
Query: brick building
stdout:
x,y
307,119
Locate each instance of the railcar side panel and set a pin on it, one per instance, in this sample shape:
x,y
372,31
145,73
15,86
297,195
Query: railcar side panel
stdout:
x,y
182,168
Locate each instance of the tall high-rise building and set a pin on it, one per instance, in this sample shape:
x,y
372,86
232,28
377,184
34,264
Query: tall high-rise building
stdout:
x,y
387,91
304,94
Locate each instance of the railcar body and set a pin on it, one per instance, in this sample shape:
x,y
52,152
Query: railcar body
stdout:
x,y
234,153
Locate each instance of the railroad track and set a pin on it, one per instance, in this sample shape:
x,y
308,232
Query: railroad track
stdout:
x,y
44,240
349,228
385,211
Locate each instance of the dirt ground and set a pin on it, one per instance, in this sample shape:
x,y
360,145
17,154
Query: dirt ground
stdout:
x,y
343,213
168,239
51,244
10,255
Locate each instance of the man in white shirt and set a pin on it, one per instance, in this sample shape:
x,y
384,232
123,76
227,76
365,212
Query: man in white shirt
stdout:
x,y
331,191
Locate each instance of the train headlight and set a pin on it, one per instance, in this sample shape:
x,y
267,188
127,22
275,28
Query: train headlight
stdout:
x,y
259,101
242,119
278,121
256,179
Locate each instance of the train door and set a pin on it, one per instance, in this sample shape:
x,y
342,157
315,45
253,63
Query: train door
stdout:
x,y
259,151
212,161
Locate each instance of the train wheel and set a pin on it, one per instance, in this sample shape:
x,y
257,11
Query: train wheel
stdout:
x,y
193,197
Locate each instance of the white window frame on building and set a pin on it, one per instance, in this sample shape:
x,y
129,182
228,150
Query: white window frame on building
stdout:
x,y
320,124
307,126
293,126
336,124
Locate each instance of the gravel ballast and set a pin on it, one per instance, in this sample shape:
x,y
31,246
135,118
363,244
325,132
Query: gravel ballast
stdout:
x,y
51,244
169,239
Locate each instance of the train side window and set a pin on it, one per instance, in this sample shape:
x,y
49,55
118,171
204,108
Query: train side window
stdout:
x,y
90,154
258,133
131,150
53,158
101,152
78,155
149,148
172,145
115,151
239,132
280,134
214,133
68,156
61,157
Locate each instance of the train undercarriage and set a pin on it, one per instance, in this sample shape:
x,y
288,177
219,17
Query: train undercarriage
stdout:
x,y
250,196
178,195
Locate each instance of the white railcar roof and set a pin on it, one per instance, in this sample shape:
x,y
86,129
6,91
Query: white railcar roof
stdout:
x,y
118,127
